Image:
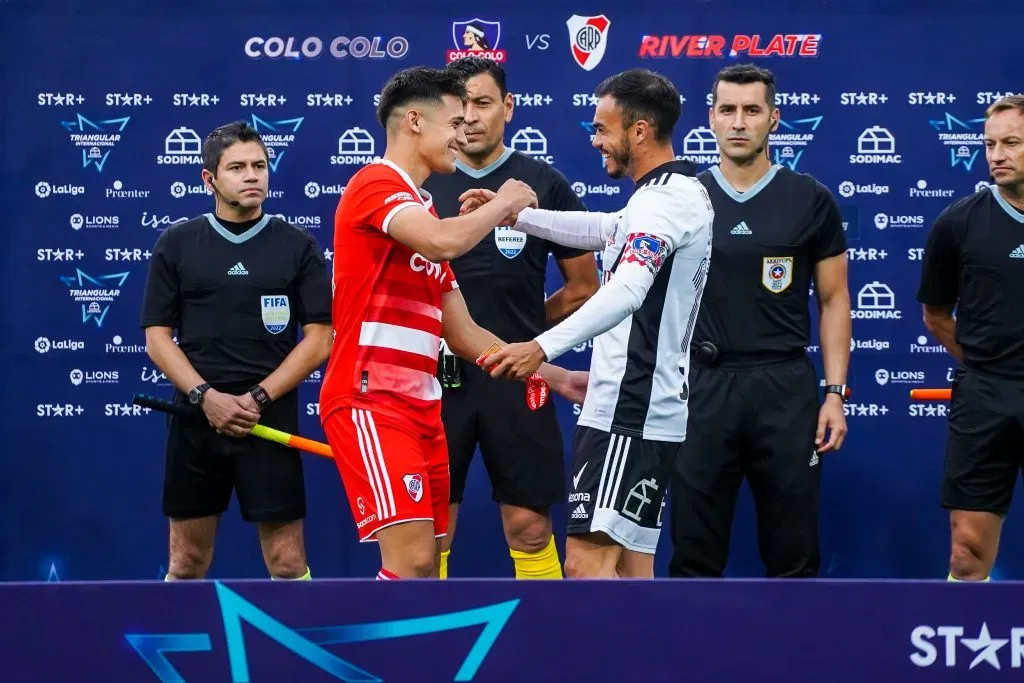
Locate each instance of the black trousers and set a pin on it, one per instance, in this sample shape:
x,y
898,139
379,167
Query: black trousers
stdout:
x,y
756,423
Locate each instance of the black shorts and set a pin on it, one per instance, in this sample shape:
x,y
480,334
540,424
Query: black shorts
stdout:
x,y
521,448
618,487
202,467
985,445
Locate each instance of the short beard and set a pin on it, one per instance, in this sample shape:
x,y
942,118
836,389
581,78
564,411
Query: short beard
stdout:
x,y
623,159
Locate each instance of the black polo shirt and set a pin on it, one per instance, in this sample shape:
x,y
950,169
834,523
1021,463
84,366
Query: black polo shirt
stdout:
x,y
767,241
237,294
974,260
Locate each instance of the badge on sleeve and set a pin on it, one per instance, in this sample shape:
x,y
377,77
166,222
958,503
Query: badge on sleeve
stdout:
x,y
276,312
648,250
777,273
510,242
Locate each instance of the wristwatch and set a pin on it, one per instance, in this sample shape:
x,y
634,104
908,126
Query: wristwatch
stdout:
x,y
842,389
259,394
195,397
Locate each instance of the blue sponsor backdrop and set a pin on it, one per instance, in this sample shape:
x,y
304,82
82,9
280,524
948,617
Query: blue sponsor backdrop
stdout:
x,y
104,111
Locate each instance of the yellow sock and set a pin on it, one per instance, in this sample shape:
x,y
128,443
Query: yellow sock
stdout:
x,y
308,576
543,564
444,563
952,578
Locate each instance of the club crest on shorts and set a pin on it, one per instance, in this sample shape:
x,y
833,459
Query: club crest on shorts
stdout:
x,y
510,242
276,312
777,273
414,485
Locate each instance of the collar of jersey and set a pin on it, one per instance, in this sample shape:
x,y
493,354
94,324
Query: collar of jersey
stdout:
x,y
428,200
741,197
1011,211
232,237
481,172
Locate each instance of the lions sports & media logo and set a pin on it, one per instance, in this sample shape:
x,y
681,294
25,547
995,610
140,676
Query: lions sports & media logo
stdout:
x,y
476,38
96,139
964,138
790,140
277,136
309,643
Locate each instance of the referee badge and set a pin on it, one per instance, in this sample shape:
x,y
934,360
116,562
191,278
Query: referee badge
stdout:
x,y
276,312
510,242
777,273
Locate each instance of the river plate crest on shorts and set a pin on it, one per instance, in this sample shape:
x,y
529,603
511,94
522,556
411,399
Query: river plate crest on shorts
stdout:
x,y
276,312
777,273
510,242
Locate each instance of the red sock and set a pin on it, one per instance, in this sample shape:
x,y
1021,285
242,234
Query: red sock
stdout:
x,y
385,575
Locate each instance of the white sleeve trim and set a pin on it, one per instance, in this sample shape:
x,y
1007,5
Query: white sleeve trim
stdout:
x,y
394,212
577,229
612,304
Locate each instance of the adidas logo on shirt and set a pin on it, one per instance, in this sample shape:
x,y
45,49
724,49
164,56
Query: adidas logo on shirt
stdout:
x,y
238,269
1018,252
580,512
741,229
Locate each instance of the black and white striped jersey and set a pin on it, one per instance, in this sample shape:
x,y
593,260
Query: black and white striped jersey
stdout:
x,y
656,256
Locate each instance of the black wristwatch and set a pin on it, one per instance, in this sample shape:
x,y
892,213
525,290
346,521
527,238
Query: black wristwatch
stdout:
x,y
195,397
259,394
842,389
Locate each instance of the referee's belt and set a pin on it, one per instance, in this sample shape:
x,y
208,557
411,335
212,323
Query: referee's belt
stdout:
x,y
709,354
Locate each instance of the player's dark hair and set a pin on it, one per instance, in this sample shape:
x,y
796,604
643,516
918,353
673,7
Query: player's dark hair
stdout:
x,y
468,67
418,83
641,94
742,74
1005,104
223,137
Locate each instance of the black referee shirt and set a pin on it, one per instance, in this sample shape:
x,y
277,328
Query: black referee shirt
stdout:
x,y
502,277
237,294
974,259
767,242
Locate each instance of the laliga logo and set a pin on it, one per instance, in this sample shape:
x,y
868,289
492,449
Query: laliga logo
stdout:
x,y
582,189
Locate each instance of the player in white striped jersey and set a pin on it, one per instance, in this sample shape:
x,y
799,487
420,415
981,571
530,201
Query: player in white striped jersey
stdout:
x,y
656,255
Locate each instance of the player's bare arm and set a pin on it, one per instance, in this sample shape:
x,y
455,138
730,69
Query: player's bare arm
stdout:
x,y
445,239
223,412
307,356
581,283
469,341
833,298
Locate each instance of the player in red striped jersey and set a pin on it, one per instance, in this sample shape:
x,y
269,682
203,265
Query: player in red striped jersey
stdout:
x,y
380,403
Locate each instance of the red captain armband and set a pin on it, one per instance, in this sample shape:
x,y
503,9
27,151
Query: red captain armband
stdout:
x,y
537,392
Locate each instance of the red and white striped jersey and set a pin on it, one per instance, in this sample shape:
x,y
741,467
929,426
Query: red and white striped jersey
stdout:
x,y
387,306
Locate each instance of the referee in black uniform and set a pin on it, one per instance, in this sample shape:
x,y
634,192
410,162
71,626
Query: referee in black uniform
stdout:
x,y
502,279
236,285
755,407
974,262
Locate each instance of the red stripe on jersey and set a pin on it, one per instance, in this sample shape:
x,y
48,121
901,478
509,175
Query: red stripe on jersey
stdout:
x,y
403,304
374,355
394,316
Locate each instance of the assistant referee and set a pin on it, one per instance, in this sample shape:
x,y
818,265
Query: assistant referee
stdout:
x,y
236,285
755,409
974,263
502,280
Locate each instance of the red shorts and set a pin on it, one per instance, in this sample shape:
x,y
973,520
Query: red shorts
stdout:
x,y
391,474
